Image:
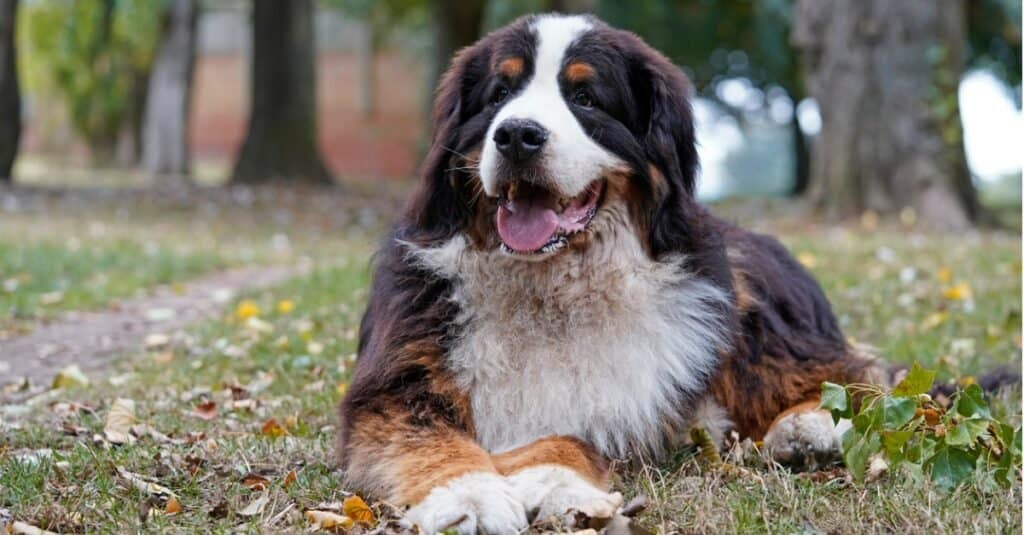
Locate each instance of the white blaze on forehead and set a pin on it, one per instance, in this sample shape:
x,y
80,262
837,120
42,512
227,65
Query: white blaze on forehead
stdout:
x,y
571,158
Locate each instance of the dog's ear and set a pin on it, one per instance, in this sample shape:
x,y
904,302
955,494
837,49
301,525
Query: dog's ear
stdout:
x,y
662,94
440,207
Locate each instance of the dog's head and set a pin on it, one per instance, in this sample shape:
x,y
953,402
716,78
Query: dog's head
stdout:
x,y
546,125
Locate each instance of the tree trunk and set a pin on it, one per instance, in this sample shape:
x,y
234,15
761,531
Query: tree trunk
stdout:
x,y
457,24
885,76
281,143
165,127
801,157
10,95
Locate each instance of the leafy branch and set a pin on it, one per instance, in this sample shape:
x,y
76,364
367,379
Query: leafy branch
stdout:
x,y
909,429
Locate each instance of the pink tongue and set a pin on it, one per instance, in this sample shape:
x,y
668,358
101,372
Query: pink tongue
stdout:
x,y
526,224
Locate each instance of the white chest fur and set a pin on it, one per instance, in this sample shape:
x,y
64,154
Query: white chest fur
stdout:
x,y
602,346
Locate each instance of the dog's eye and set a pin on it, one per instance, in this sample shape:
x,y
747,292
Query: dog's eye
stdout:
x,y
499,95
583,99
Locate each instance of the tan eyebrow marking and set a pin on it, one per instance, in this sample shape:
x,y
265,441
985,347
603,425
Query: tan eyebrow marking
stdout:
x,y
578,71
511,67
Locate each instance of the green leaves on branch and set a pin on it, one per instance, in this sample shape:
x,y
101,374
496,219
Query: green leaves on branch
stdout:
x,y
908,429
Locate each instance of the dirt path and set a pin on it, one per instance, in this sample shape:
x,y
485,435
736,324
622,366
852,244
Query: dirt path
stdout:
x,y
91,339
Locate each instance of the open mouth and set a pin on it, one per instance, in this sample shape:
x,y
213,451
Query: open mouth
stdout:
x,y
534,220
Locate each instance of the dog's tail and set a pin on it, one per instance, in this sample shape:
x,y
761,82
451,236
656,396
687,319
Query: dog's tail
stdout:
x,y
991,382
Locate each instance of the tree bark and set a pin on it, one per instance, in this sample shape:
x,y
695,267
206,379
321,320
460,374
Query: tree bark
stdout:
x,y
10,94
165,127
281,143
885,76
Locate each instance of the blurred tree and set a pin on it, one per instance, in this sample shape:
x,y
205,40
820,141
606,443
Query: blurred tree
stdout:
x,y
994,38
457,24
165,127
885,75
281,143
725,40
10,95
94,54
379,20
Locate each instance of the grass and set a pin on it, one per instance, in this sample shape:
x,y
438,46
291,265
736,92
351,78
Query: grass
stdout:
x,y
40,279
275,365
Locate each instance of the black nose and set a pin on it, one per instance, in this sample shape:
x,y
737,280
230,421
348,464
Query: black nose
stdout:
x,y
519,139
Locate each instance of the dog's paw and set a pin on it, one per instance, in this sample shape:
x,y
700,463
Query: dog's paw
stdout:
x,y
806,440
554,491
478,502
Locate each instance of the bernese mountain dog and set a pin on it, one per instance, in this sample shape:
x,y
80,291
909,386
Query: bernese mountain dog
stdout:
x,y
554,297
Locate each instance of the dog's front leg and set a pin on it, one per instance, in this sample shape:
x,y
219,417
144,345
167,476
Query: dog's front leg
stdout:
x,y
556,475
449,481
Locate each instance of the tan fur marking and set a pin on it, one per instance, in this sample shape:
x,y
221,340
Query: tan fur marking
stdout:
x,y
563,451
578,71
511,67
425,467
805,406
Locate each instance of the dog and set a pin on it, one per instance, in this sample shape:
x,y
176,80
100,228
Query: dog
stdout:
x,y
553,297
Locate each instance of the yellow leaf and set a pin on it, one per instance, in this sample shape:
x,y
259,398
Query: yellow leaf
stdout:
x,y
808,260
355,508
944,275
342,388
70,376
285,306
958,292
173,506
247,309
329,521
933,321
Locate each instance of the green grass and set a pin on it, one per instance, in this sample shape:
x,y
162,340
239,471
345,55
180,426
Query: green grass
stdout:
x,y
38,279
295,364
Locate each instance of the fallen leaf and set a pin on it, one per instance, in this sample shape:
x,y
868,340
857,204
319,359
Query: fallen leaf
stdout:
x,y
21,528
255,482
117,426
173,506
355,508
69,377
808,260
285,306
958,292
328,521
145,486
272,428
256,506
156,341
247,309
289,479
206,410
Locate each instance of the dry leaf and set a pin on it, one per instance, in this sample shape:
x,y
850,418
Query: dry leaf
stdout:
x,y
206,410
272,428
255,482
256,506
21,528
173,506
246,309
289,479
69,377
329,521
355,508
143,485
118,424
